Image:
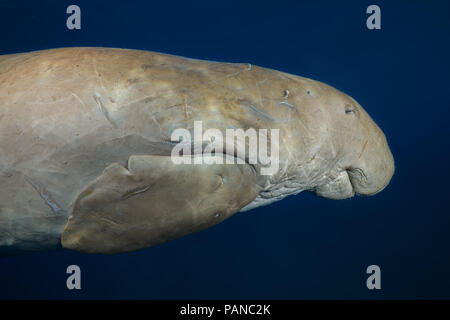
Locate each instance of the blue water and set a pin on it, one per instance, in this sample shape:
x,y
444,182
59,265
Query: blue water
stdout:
x,y
303,246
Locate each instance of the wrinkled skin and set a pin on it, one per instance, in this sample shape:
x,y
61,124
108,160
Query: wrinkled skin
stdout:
x,y
85,133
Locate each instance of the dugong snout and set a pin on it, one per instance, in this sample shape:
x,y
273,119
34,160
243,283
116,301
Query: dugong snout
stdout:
x,y
371,164
365,164
374,170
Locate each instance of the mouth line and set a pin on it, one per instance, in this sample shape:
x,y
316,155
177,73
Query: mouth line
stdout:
x,y
357,175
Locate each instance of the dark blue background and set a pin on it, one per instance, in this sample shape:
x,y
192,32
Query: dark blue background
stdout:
x,y
303,246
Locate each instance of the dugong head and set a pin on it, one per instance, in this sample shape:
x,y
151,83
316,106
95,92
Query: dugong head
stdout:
x,y
364,164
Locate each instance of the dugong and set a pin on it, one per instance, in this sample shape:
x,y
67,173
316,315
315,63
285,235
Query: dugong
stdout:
x,y
86,140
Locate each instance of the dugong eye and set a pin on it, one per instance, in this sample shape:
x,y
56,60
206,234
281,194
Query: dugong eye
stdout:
x,y
350,109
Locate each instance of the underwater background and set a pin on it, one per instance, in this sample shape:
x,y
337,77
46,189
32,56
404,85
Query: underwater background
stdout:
x,y
303,247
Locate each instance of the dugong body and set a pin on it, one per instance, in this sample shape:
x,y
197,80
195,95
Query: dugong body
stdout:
x,y
85,140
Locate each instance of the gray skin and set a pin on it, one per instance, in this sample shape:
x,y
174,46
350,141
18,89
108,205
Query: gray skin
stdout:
x,y
85,139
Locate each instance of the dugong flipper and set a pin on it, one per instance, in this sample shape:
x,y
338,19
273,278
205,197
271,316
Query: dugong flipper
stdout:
x,y
154,201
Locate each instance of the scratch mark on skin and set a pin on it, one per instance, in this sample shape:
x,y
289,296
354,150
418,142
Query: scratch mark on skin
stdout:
x,y
155,120
186,108
46,196
253,108
134,192
78,98
271,100
151,96
363,149
249,68
304,126
211,82
98,75
108,221
103,110
174,106
260,94
291,106
288,149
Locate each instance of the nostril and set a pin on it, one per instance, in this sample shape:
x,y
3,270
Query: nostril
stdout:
x,y
350,109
